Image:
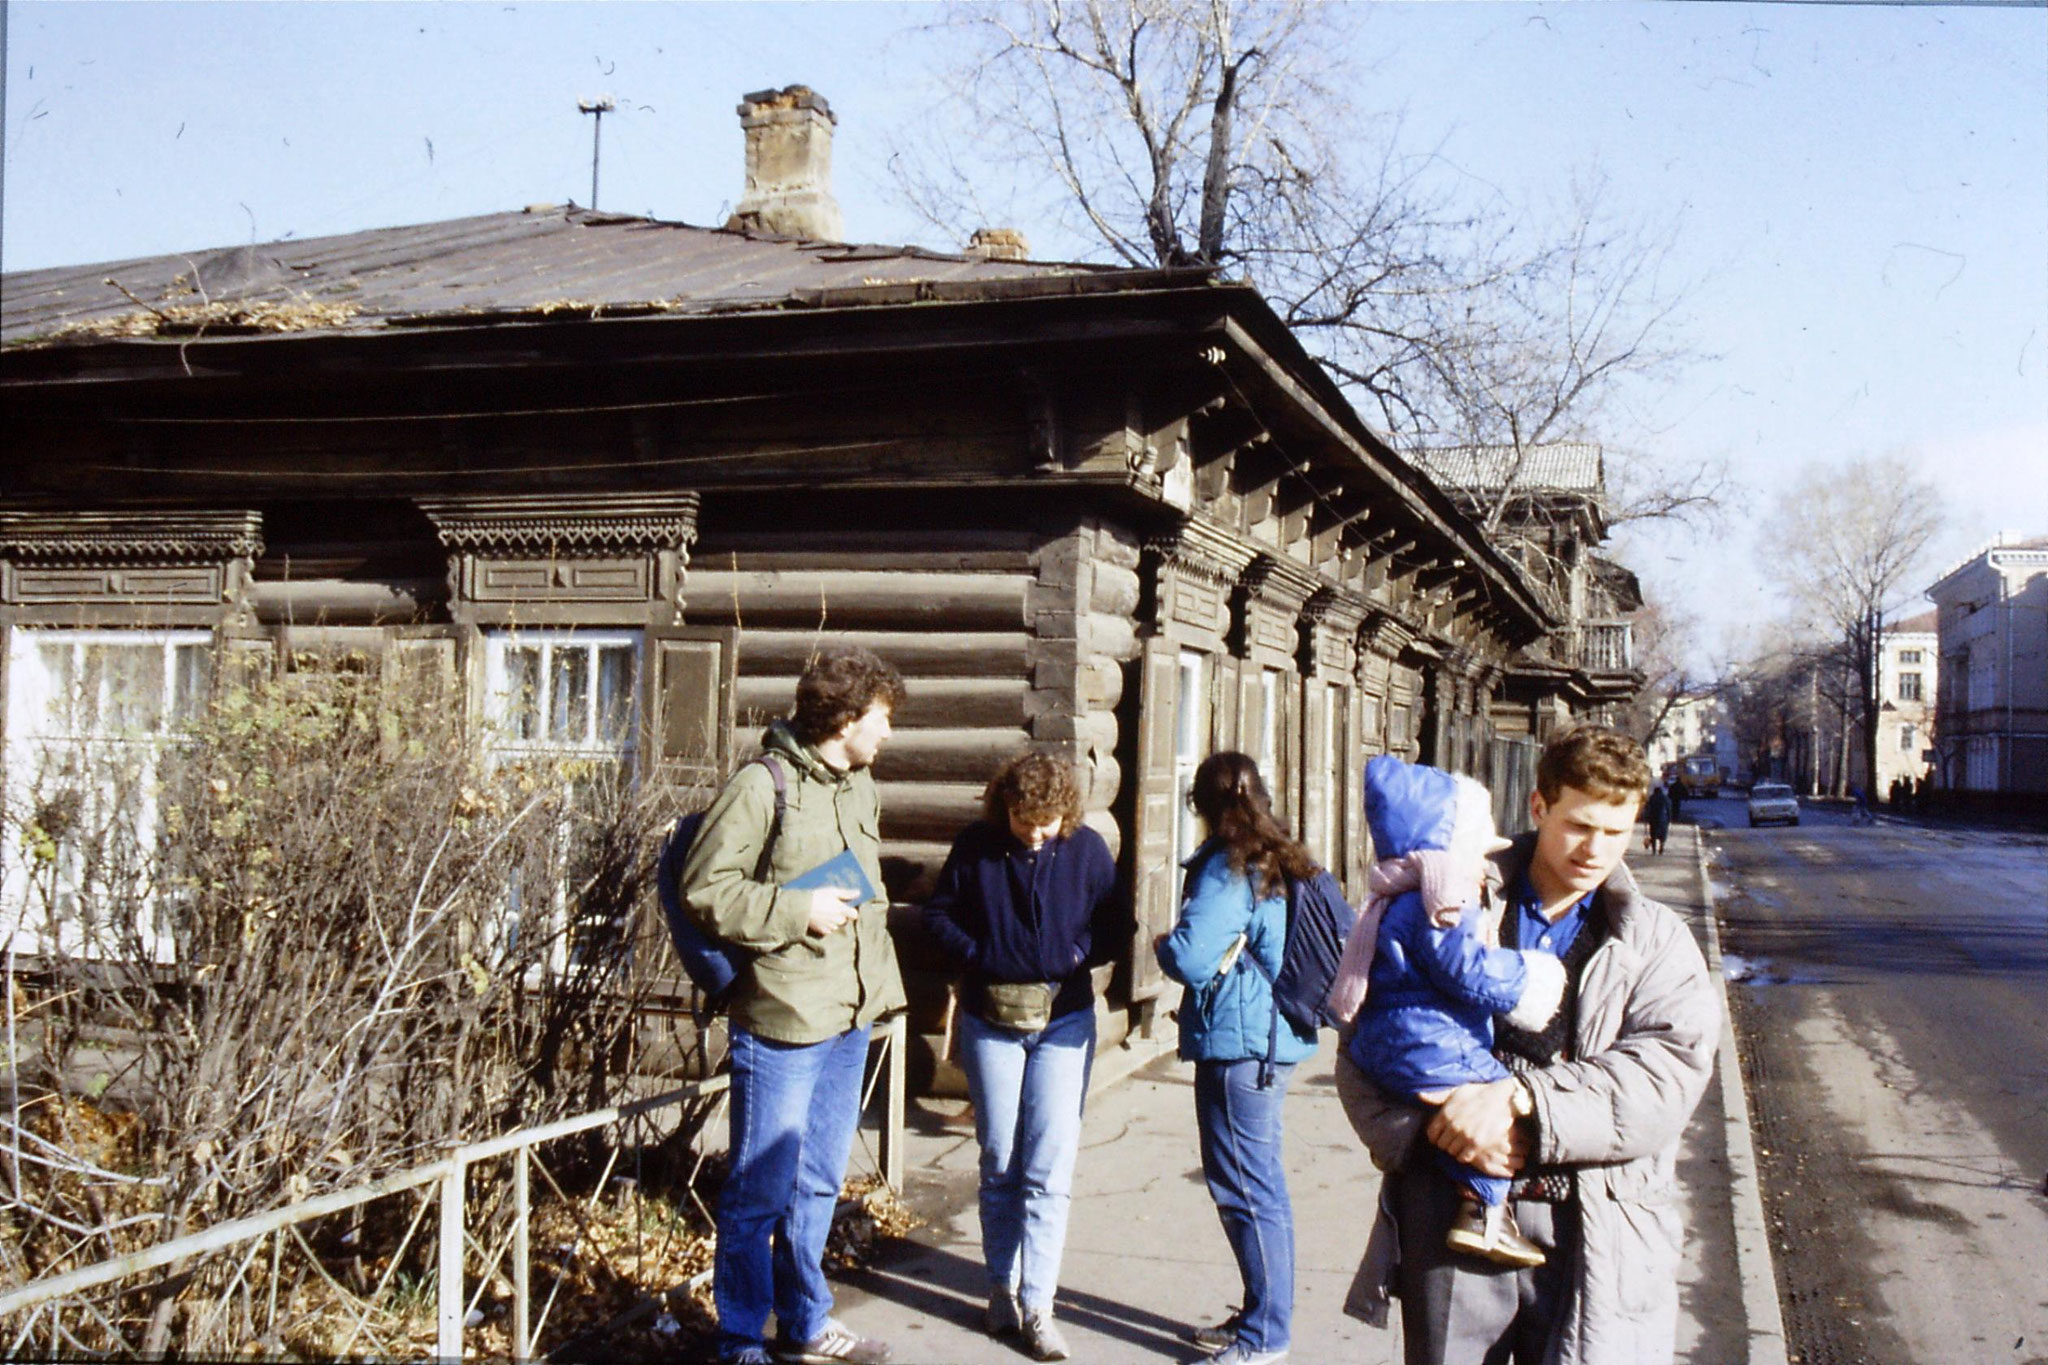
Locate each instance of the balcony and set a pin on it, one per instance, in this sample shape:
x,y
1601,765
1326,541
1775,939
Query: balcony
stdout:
x,y
1605,647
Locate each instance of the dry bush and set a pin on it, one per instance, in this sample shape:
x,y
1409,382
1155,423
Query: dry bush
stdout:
x,y
305,946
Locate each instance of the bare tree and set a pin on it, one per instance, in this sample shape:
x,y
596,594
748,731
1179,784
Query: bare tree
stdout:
x,y
1218,133
1666,645
1846,541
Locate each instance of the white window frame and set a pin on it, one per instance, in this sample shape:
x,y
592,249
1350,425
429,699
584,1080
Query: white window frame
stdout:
x,y
585,744
1190,745
34,732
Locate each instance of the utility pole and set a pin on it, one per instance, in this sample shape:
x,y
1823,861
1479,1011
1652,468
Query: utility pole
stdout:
x,y
597,108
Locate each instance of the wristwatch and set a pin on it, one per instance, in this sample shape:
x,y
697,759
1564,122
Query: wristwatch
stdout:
x,y
1521,1100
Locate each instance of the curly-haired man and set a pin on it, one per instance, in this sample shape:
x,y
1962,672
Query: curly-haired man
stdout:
x,y
824,970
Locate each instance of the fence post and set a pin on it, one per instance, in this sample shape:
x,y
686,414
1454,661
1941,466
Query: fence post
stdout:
x,y
448,1339
522,1293
892,1105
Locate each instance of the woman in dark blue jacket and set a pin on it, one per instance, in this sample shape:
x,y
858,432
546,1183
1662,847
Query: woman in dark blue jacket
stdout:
x,y
1226,949
1024,906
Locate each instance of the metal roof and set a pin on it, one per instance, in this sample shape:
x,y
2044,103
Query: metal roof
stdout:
x,y
1565,467
543,260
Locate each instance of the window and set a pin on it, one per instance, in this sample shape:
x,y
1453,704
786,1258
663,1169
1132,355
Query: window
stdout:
x,y
90,714
1268,751
1189,736
564,694
1907,734
1909,656
1909,687
1329,762
563,702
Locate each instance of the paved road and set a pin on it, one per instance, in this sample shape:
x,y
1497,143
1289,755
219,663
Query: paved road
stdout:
x,y
1895,981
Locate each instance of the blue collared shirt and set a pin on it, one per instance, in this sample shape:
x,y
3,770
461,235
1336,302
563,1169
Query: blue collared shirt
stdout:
x,y
1534,931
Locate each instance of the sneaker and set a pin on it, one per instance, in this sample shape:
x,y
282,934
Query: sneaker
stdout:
x,y
1222,1334
1491,1232
834,1344
1041,1338
749,1355
1005,1315
1237,1353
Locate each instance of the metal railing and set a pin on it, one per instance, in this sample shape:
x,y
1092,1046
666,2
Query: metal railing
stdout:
x,y
448,1176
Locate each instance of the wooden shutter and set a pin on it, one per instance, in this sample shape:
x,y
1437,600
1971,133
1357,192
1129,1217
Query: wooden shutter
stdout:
x,y
1155,879
687,717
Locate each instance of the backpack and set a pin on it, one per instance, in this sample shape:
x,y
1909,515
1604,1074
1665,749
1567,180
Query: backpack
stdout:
x,y
1319,919
712,965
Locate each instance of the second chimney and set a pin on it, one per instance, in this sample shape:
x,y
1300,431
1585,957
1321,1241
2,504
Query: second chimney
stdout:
x,y
789,166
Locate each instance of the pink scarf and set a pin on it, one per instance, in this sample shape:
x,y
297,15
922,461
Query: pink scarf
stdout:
x,y
1444,895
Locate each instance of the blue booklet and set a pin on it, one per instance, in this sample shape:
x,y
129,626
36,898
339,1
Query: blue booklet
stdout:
x,y
843,871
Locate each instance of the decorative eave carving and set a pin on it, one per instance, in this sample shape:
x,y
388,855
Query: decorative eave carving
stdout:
x,y
1387,634
1201,550
191,565
1335,609
100,539
1279,582
566,524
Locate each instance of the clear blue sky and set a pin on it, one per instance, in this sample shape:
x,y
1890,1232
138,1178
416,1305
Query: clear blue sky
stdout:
x,y
1862,192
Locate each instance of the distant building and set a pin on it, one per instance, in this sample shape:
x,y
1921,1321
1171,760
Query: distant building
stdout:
x,y
1692,726
1545,506
1992,690
1908,681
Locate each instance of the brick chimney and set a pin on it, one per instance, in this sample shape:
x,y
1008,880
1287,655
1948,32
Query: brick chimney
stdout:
x,y
789,166
998,244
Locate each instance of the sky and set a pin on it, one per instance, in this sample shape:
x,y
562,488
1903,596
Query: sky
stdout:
x,y
1858,195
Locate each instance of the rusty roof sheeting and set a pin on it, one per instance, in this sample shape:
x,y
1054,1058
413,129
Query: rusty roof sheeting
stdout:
x,y
544,261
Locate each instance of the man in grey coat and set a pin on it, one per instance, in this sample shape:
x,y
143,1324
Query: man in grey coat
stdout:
x,y
1588,1122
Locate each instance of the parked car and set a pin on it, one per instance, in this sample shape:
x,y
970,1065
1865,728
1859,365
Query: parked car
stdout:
x,y
1772,803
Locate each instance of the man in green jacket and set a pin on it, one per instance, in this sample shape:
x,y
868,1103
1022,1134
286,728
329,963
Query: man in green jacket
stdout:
x,y
824,970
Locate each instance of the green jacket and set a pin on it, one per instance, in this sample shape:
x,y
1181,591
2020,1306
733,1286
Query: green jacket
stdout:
x,y
803,989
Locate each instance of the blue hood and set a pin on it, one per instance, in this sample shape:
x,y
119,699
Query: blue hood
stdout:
x,y
1409,806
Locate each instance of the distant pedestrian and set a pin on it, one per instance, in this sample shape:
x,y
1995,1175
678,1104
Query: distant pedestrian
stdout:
x,y
1657,812
1860,812
1024,905
1234,906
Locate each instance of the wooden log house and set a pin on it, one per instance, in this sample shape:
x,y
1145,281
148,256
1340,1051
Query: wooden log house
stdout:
x,y
1117,514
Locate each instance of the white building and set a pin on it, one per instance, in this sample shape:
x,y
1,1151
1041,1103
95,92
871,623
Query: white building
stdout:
x,y
1992,731
1908,681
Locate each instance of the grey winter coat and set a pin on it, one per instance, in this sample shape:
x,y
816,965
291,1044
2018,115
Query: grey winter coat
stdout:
x,y
1648,1022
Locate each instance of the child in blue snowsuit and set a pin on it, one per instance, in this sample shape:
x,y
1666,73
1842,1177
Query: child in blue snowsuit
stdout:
x,y
1435,983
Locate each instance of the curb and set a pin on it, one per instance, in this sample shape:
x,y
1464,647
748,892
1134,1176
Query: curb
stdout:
x,y
1752,1233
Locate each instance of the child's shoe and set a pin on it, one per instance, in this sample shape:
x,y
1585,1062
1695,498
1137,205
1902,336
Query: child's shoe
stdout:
x,y
1490,1231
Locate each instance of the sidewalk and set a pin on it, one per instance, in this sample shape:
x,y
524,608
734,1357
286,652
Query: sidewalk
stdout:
x,y
1146,1257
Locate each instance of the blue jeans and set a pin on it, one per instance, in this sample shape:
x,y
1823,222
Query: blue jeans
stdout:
x,y
1028,1092
1239,1123
794,1111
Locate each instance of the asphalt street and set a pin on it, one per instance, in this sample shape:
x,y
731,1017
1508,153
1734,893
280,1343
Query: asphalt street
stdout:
x,y
1889,984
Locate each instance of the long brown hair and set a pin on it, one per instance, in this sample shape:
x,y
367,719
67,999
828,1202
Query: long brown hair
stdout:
x,y
1231,798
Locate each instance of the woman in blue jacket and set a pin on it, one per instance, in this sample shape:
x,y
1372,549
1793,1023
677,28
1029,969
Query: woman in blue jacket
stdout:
x,y
1226,949
1023,907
